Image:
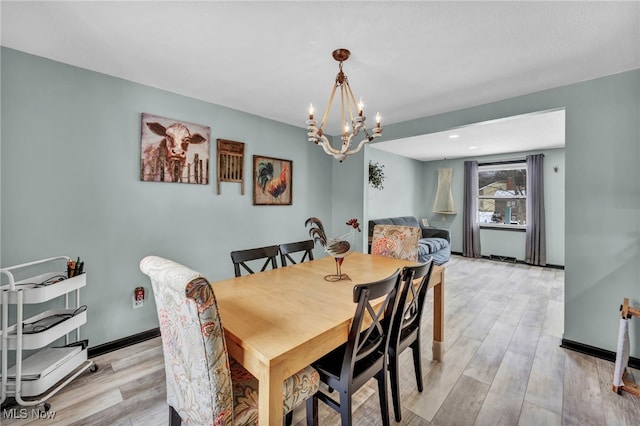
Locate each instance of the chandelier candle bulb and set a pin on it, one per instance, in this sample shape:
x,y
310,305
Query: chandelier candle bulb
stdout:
x,y
311,111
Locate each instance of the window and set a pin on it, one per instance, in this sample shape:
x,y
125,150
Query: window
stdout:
x,y
502,195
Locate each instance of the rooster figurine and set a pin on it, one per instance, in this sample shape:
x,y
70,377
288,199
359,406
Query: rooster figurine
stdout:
x,y
337,247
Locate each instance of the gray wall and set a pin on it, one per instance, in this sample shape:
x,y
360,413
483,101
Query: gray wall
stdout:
x,y
70,186
403,192
413,188
70,156
500,242
602,195
348,198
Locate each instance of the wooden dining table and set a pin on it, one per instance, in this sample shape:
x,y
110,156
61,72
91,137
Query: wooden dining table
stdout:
x,y
279,321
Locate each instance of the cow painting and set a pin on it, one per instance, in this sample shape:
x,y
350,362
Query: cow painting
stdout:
x,y
174,151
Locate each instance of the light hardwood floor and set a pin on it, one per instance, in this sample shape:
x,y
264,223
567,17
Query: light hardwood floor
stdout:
x,y
503,365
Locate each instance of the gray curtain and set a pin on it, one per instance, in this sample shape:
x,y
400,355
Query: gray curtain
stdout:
x,y
536,245
470,227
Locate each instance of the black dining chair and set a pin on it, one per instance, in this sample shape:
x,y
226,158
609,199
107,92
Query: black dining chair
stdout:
x,y
405,331
304,247
240,257
364,356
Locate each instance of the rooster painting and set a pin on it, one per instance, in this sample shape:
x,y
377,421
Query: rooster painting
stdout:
x,y
272,187
337,247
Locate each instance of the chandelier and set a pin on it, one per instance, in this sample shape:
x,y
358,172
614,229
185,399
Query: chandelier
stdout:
x,y
352,117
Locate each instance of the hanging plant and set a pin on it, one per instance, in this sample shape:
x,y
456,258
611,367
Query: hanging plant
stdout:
x,y
376,175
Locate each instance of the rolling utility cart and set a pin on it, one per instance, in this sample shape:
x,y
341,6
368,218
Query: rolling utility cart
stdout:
x,y
43,373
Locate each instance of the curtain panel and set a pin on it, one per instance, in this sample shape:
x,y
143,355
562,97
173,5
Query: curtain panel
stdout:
x,y
470,226
536,245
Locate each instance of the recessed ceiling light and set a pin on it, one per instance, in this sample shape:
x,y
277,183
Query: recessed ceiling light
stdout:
x,y
473,147
453,136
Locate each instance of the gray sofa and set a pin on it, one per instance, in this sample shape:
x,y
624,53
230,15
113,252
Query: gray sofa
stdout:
x,y
435,242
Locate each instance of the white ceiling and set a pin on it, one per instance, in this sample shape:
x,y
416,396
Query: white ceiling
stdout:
x,y
520,133
409,59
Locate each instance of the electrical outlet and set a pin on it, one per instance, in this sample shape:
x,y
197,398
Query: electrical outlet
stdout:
x,y
137,303
138,297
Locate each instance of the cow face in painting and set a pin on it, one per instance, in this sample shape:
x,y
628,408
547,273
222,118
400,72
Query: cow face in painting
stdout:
x,y
165,160
177,139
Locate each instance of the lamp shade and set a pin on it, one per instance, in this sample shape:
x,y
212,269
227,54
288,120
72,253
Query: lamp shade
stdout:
x,y
443,203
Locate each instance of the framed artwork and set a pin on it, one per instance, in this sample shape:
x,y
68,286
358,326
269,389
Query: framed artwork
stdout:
x,y
173,151
272,181
230,163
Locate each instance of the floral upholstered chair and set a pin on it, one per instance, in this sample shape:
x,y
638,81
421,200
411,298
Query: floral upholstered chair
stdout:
x,y
396,241
204,385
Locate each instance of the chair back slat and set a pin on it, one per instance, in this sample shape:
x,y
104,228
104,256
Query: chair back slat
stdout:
x,y
286,250
411,298
240,257
374,340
